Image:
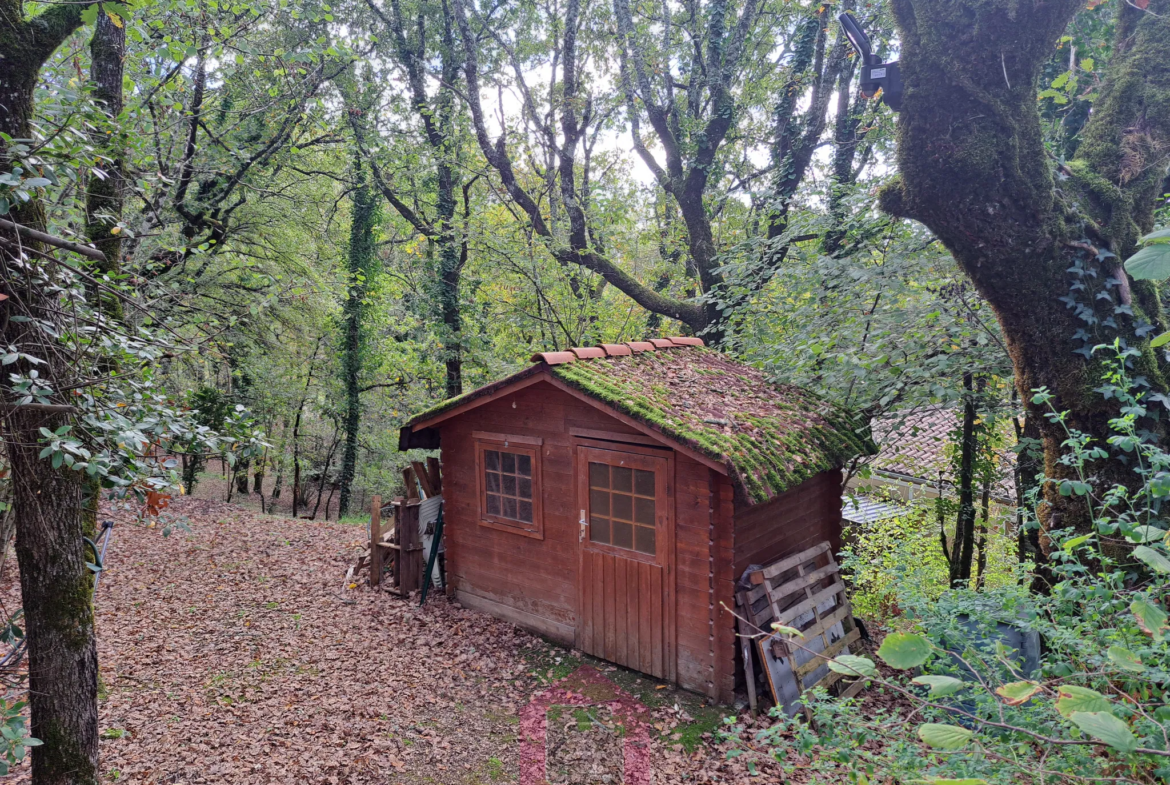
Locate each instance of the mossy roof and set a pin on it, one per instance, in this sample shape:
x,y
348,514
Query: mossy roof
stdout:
x,y
770,437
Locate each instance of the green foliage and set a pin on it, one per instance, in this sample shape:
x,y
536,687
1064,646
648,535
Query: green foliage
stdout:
x,y
1098,700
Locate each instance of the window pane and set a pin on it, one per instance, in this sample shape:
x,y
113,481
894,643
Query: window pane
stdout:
x,y
493,504
643,483
524,511
509,507
644,510
509,484
524,465
623,479
644,539
599,502
623,535
599,529
508,462
623,507
524,488
493,482
598,475
491,459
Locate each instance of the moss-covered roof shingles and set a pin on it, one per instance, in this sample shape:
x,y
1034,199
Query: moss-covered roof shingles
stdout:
x,y
770,437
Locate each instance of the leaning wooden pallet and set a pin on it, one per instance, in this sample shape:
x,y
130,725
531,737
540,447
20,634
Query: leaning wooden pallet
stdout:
x,y
804,591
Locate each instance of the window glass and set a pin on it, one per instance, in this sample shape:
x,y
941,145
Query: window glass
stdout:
x,y
508,485
622,507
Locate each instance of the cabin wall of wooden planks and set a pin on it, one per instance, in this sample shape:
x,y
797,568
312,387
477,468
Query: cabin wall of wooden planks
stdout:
x,y
533,582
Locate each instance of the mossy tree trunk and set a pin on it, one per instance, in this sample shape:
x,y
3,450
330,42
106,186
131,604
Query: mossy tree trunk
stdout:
x,y
56,586
973,168
362,257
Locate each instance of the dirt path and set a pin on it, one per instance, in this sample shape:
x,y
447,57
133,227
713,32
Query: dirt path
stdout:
x,y
233,654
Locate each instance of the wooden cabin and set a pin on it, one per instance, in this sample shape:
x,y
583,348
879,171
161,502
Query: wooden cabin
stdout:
x,y
610,497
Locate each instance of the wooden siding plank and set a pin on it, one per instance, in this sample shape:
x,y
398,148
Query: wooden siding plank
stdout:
x,y
656,622
620,603
609,615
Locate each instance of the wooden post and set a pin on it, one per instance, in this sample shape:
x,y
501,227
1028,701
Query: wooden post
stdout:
x,y
411,487
375,538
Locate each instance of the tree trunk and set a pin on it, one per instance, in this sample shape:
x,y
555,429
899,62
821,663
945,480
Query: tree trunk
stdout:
x,y
963,548
362,258
56,586
104,194
973,168
57,592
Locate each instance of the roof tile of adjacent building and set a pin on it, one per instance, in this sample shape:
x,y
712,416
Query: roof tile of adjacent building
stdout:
x,y
770,437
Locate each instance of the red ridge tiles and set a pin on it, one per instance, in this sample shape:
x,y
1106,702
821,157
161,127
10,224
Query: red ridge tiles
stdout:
x,y
616,349
641,346
588,352
554,358
662,343
681,341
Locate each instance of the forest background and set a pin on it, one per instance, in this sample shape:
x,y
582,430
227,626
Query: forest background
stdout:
x,y
311,221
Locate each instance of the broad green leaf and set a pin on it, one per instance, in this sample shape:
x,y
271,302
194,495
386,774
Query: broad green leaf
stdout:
x,y
1151,263
1160,236
1075,542
1073,699
966,781
1153,559
1144,534
903,650
852,665
944,737
1160,341
940,686
1125,659
1017,692
1150,618
1103,726
786,630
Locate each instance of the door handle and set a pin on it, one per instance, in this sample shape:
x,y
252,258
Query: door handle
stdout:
x,y
581,536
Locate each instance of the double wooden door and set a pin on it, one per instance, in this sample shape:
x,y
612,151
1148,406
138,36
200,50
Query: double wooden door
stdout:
x,y
626,581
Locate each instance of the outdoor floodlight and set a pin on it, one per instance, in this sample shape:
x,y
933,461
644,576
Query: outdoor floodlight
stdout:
x,y
874,73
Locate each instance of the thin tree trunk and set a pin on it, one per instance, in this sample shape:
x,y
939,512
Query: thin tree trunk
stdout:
x,y
964,543
362,258
324,477
104,194
981,544
296,434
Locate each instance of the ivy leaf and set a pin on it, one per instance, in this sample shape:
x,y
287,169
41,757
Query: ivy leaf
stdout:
x,y
89,15
904,650
944,737
1125,659
1017,692
1150,618
1103,726
940,686
1155,560
1151,263
852,665
1073,699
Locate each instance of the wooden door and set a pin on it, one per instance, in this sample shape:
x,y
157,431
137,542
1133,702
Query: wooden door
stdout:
x,y
627,549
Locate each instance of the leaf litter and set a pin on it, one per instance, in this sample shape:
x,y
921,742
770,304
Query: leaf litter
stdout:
x,y
234,653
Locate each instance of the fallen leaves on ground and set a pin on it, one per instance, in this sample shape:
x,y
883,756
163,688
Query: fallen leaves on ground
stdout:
x,y
234,653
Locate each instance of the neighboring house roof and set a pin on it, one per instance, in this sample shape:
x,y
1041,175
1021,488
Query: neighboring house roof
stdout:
x,y
766,437
866,509
914,445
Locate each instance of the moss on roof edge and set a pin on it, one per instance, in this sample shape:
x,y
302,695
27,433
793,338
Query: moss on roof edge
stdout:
x,y
761,474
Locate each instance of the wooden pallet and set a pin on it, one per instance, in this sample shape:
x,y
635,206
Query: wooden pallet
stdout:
x,y
804,591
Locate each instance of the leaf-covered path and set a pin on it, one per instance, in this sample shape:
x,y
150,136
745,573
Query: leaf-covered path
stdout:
x,y
235,654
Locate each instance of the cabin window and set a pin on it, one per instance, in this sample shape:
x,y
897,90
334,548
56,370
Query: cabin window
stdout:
x,y
509,484
622,507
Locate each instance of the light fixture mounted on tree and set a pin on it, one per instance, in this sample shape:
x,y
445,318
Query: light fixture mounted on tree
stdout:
x,y
874,73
